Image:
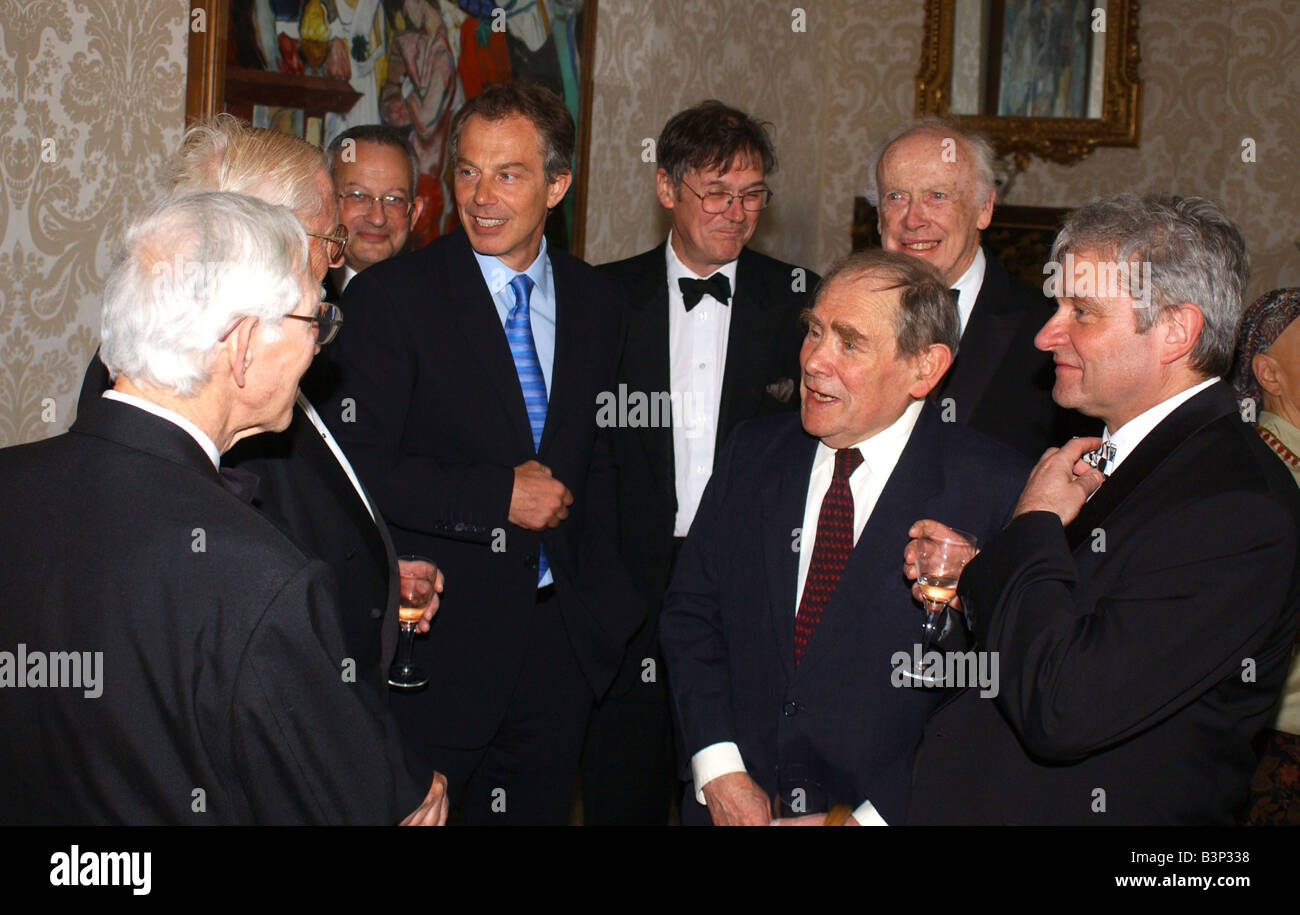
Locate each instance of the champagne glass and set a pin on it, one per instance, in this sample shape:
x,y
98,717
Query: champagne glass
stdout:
x,y
940,559
418,576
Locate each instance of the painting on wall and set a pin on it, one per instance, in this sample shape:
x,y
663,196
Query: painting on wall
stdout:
x,y
1042,60
314,68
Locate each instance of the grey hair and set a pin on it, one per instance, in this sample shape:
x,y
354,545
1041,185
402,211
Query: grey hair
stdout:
x,y
978,145
227,154
189,270
380,135
1196,255
927,309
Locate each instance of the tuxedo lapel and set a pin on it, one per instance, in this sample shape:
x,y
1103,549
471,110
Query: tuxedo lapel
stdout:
x,y
645,363
565,378
782,501
1211,404
749,340
988,337
475,319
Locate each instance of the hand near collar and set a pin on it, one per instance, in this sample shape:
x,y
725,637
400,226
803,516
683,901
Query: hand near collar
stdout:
x,y
1062,481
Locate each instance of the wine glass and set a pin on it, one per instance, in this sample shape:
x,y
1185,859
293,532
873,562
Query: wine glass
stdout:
x,y
418,577
940,559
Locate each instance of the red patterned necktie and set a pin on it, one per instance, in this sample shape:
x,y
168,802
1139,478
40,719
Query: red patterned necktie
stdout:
x,y
830,551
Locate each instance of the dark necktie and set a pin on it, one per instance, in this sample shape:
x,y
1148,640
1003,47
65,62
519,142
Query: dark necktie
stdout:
x,y
242,483
831,550
717,286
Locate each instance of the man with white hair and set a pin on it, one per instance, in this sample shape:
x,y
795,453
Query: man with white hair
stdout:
x,y
180,652
933,187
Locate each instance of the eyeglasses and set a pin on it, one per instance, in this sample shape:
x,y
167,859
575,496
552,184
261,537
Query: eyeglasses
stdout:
x,y
337,242
393,204
327,322
716,202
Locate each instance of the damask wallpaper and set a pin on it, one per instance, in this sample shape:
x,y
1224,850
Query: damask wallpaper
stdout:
x,y
92,100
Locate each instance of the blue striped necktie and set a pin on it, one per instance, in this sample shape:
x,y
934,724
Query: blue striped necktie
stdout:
x,y
519,334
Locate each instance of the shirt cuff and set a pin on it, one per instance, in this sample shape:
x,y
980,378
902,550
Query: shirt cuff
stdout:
x,y
866,815
714,760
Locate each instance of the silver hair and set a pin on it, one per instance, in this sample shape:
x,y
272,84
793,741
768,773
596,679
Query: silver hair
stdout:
x,y
189,270
1196,255
978,145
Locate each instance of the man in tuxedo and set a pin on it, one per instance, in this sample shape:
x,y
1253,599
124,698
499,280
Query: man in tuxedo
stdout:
x,y
182,656
725,358
1143,601
786,616
374,171
934,193
471,373
305,482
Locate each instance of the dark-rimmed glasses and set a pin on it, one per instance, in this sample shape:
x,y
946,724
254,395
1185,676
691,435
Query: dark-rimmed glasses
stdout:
x,y
327,322
716,202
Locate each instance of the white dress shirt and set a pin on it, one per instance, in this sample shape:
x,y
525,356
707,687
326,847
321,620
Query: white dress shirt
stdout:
x,y
697,357
968,287
880,453
1130,435
208,445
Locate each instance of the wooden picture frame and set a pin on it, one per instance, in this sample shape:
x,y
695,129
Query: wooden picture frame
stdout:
x,y
211,85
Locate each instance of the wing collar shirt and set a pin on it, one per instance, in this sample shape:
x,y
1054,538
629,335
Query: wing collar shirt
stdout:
x,y
697,357
880,454
1130,435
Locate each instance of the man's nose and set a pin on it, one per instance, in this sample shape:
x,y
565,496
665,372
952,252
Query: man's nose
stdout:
x,y
915,215
377,215
483,192
812,360
1052,333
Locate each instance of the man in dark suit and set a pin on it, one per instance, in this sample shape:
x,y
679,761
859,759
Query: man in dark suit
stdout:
x,y
471,371
787,621
934,193
182,657
1143,608
719,358
305,483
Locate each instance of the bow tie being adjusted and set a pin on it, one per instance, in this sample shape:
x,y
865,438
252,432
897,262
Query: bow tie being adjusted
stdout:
x,y
717,286
1103,458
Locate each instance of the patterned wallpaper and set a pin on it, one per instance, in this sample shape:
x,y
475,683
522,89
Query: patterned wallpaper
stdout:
x,y
104,81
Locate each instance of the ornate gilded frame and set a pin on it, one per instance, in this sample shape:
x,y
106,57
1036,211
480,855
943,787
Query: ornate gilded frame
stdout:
x,y
1063,140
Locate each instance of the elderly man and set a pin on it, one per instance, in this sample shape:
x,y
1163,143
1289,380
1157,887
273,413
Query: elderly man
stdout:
x,y
1142,602
374,172
933,186
181,653
304,480
714,326
787,609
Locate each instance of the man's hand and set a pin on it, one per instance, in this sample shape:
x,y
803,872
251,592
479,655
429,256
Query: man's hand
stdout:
x,y
409,568
912,553
433,812
1061,482
812,819
735,799
539,500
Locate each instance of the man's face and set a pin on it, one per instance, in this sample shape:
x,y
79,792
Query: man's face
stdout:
x,y
375,232
277,364
502,193
1104,367
706,241
931,204
322,222
854,382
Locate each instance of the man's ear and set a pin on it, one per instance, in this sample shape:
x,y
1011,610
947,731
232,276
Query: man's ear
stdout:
x,y
1264,368
416,210
986,211
556,190
1182,327
665,190
237,348
930,364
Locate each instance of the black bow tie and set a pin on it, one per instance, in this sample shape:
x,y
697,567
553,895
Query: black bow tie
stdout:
x,y
242,483
717,286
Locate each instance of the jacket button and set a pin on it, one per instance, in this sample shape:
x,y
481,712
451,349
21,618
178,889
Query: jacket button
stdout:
x,y
790,709
376,613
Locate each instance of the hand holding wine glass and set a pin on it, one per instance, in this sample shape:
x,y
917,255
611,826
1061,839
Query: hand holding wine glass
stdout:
x,y
420,583
935,558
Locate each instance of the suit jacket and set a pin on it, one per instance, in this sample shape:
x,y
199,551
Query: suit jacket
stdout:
x,y
1142,647
1000,383
431,412
304,489
221,650
761,377
727,632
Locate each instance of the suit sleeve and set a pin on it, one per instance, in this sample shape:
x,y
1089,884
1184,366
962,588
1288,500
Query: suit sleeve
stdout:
x,y
377,370
691,633
310,747
1198,594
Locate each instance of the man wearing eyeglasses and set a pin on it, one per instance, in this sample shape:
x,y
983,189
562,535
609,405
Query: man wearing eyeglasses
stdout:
x,y
374,171
713,329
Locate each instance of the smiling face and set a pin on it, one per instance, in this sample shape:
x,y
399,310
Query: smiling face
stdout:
x,y
931,204
375,232
502,193
854,382
706,241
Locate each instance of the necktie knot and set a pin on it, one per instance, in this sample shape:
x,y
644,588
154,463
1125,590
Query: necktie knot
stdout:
x,y
522,287
847,460
717,286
